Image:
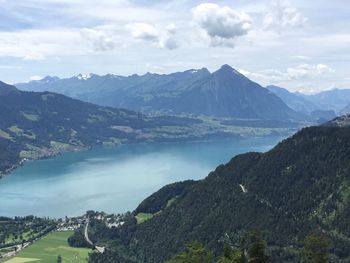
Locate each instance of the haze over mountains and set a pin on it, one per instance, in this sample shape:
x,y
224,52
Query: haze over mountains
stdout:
x,y
223,93
346,110
326,104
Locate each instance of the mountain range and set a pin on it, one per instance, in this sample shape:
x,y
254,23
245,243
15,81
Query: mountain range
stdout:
x,y
293,100
324,105
335,99
223,93
300,186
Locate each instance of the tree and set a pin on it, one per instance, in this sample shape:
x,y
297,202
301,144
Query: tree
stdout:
x,y
231,255
59,259
194,253
257,248
316,248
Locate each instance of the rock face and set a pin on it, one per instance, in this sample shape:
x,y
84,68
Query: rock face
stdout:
x,y
224,93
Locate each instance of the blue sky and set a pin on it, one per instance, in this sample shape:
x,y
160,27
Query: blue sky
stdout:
x,y
301,45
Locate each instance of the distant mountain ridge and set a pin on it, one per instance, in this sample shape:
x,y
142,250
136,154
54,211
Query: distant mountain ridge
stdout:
x,y
346,110
334,99
293,100
223,93
324,105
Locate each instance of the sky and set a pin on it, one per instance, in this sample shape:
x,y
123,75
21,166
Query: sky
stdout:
x,y
302,45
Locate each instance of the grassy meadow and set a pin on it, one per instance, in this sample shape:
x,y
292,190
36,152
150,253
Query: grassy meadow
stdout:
x,y
48,248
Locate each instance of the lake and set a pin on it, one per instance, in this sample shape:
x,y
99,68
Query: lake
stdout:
x,y
112,179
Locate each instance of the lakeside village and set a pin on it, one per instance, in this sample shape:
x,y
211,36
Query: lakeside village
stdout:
x,y
20,232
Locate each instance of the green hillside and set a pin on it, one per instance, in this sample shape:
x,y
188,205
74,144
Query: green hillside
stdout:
x,y
299,186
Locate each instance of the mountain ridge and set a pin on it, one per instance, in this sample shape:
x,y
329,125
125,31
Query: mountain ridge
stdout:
x,y
223,93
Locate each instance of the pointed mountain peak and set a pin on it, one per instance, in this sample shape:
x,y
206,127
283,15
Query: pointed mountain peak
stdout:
x,y
227,69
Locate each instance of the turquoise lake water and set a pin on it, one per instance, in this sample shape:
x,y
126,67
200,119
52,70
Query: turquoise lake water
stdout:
x,y
113,179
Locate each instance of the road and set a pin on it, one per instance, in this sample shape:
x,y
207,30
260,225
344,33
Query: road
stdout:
x,y
14,252
99,249
86,234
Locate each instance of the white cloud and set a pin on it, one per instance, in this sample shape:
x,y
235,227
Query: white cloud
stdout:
x,y
281,15
303,71
222,24
56,42
300,57
35,77
82,31
10,67
144,31
40,44
37,44
161,37
102,38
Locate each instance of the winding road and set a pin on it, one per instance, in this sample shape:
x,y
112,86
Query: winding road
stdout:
x,y
99,249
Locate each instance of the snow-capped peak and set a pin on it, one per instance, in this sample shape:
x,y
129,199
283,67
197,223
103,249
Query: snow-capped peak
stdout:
x,y
84,76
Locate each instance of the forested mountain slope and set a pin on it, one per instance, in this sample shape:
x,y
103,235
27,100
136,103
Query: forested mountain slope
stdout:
x,y
301,185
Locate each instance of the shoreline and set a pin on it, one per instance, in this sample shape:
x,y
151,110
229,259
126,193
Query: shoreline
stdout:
x,y
219,137
53,154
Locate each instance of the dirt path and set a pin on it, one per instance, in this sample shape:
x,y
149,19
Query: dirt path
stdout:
x,y
99,249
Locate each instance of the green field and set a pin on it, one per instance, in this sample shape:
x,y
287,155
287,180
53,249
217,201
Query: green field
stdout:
x,y
142,217
48,248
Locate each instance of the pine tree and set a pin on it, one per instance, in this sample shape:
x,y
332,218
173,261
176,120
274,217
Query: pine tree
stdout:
x,y
194,253
231,255
316,249
257,248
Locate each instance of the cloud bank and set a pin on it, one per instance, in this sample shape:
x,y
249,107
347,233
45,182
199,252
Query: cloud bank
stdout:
x,y
222,24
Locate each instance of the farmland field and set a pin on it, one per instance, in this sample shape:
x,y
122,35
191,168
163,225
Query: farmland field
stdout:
x,y
48,248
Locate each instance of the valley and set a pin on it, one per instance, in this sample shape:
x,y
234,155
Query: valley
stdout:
x,y
252,191
42,124
212,202
75,156
136,131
